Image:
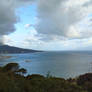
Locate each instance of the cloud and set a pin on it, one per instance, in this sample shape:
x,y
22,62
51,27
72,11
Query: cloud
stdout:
x,y
27,25
8,16
34,42
57,21
62,24
63,17
73,33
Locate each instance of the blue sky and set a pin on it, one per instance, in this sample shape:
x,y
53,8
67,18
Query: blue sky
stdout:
x,y
27,17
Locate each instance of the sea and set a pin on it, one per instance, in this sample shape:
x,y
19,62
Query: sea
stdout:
x,y
63,64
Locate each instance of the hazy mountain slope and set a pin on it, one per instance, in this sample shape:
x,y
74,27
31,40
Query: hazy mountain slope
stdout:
x,y
11,49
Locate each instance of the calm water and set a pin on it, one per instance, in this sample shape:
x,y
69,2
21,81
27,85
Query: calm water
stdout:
x,y
60,64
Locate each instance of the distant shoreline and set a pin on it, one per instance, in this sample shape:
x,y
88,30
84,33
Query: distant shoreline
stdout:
x,y
5,49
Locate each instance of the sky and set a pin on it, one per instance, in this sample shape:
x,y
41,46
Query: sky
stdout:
x,y
46,24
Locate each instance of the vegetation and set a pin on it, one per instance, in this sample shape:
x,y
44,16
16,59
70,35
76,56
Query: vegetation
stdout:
x,y
12,79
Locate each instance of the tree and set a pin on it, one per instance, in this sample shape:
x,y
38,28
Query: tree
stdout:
x,y
11,67
22,71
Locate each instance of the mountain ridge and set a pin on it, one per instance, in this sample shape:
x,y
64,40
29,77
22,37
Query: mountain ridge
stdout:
x,y
12,49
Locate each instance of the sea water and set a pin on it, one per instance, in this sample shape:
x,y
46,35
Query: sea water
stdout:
x,y
63,64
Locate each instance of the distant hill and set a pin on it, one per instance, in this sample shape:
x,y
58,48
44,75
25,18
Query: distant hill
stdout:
x,y
10,49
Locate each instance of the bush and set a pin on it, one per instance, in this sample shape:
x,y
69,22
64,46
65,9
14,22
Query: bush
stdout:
x,y
11,67
16,82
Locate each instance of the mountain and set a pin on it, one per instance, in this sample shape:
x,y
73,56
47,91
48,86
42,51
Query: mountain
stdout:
x,y
11,49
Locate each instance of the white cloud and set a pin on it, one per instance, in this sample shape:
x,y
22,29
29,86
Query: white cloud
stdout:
x,y
27,25
73,33
62,24
60,18
6,39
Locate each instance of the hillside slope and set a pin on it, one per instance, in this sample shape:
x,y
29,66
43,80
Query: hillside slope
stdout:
x,y
11,49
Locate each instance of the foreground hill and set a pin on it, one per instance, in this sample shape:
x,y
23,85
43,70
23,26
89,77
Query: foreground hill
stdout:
x,y
11,49
12,79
